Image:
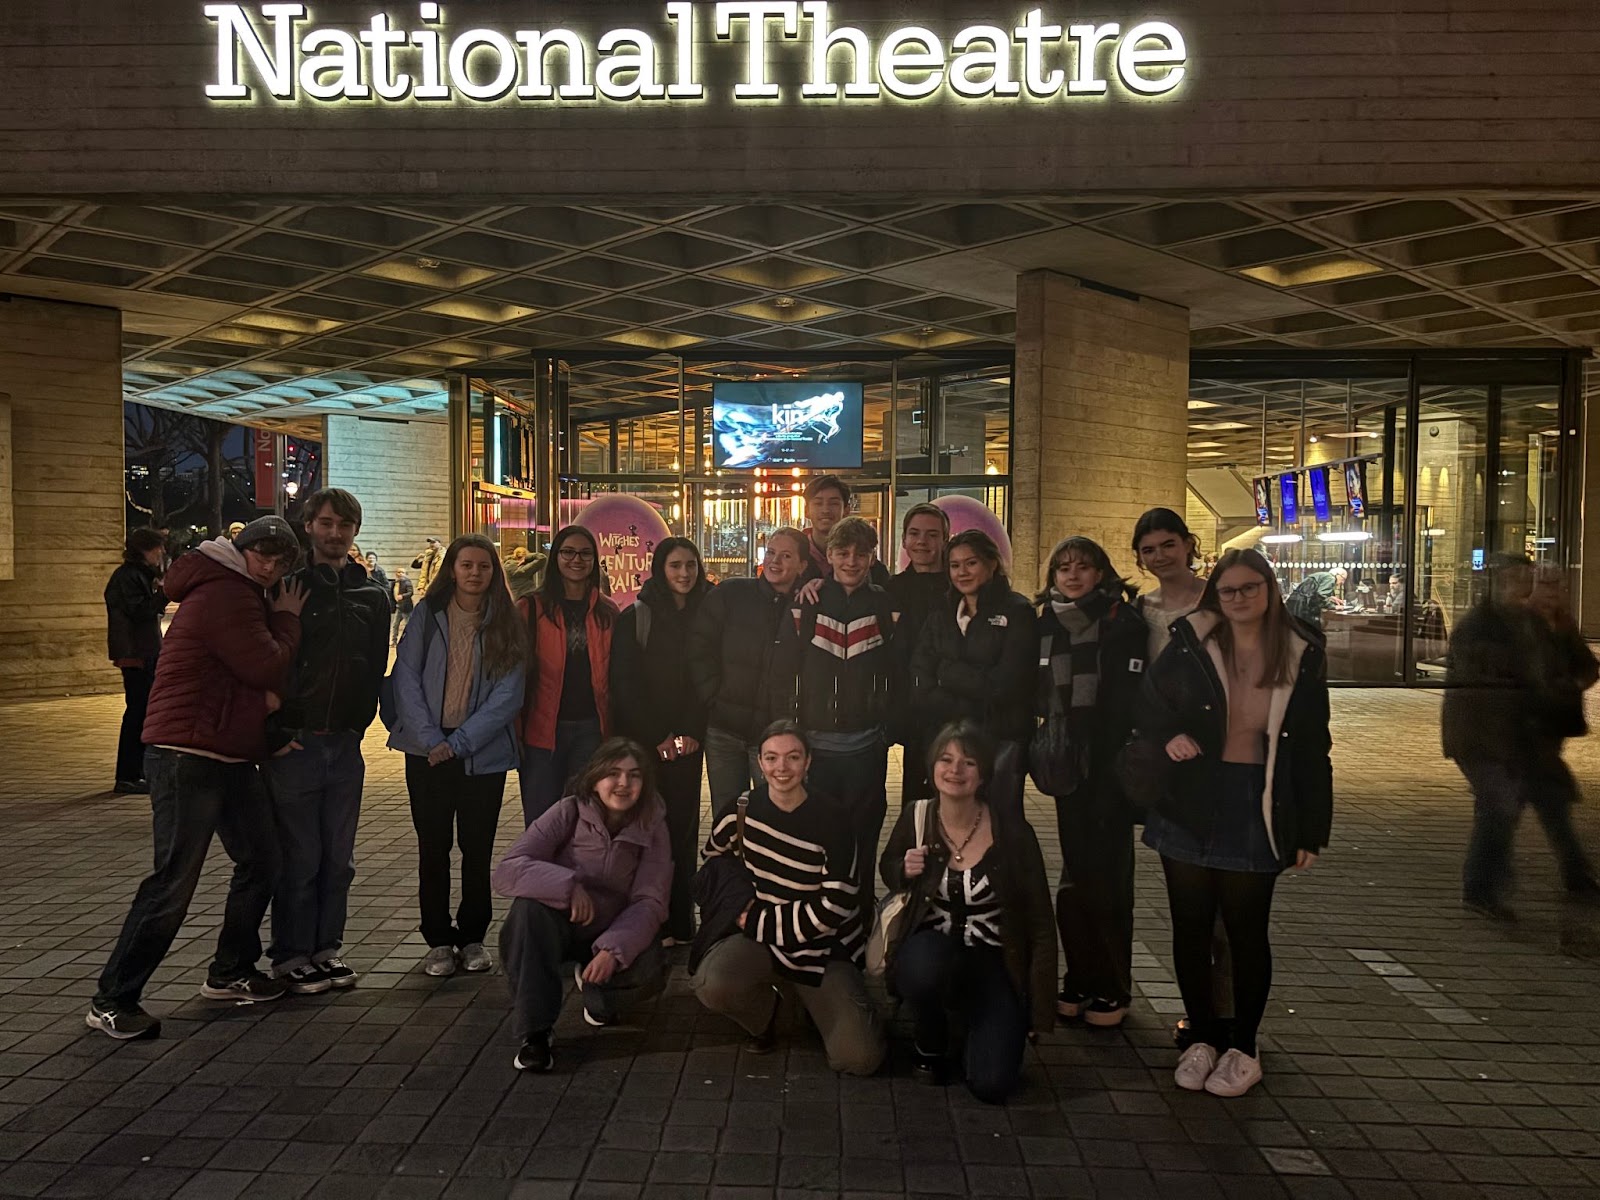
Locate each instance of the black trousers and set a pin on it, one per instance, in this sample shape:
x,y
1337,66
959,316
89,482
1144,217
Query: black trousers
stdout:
x,y
1196,895
914,769
447,803
193,798
536,941
859,781
1094,904
136,683
679,784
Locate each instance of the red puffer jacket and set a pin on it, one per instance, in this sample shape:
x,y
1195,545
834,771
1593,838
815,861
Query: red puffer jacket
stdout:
x,y
223,653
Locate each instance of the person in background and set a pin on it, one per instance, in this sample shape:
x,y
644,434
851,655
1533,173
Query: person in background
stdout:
x,y
220,674
1514,693
799,925
1317,593
655,705
1394,598
1238,706
427,564
567,712
828,503
378,575
916,591
731,648
134,604
403,594
981,941
1092,648
458,683
525,571
316,773
588,882
235,529
975,659
1168,551
839,653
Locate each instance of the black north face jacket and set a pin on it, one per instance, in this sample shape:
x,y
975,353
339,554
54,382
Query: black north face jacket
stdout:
x,y
344,652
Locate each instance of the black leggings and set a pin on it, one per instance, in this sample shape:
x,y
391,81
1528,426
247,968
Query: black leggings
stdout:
x,y
1244,898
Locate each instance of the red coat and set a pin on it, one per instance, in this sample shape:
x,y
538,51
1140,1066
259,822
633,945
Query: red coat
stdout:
x,y
223,653
550,664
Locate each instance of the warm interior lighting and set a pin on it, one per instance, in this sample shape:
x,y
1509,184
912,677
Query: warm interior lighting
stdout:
x,y
1199,404
1312,270
1348,535
1281,539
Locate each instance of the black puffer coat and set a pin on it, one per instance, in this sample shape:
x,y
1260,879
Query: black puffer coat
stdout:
x,y
651,697
134,604
1184,693
344,651
732,641
1511,679
985,675
840,655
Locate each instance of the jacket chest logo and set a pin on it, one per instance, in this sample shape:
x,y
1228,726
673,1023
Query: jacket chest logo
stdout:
x,y
847,639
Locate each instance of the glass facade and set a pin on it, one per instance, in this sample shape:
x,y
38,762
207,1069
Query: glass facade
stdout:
x,y
1386,482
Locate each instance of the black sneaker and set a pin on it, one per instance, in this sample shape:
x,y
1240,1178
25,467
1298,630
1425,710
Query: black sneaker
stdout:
x,y
253,988
1105,1014
766,1041
340,974
125,1022
535,1054
931,1069
131,787
307,980
1070,1005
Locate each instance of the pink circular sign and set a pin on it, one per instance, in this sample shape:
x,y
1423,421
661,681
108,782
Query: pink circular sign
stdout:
x,y
628,530
966,513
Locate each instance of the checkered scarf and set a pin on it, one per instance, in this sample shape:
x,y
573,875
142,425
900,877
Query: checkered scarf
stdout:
x,y
1074,669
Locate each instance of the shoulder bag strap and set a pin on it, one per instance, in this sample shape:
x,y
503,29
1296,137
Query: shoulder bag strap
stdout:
x,y
740,807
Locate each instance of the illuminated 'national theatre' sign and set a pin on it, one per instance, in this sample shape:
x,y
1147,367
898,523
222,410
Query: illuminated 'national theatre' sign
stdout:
x,y
277,53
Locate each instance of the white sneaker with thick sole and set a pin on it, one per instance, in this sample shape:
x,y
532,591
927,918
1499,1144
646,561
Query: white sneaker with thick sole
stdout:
x,y
441,960
1195,1067
475,958
1235,1075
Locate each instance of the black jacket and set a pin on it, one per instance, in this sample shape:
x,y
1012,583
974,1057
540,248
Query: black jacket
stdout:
x,y
1511,678
344,651
985,675
651,698
723,889
1027,926
838,656
1184,693
916,594
731,645
1123,645
134,604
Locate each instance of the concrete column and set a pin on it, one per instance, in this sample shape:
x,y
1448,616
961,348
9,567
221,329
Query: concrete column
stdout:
x,y
1100,432
61,365
400,471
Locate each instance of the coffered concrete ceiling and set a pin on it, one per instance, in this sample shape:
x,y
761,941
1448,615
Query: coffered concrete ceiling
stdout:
x,y
273,314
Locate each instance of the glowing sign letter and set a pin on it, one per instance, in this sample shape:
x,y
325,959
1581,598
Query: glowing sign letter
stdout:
x,y
823,40
995,59
641,65
432,86
1088,81
500,85
383,40
1172,55
1033,33
538,47
344,67
892,60
684,88
235,31
756,87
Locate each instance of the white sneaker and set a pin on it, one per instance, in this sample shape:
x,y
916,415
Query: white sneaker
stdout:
x,y
441,960
475,958
1195,1067
1235,1075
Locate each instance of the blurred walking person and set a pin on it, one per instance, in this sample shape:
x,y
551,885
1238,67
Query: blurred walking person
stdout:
x,y
134,604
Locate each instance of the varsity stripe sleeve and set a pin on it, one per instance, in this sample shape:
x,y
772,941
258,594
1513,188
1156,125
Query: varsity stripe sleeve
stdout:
x,y
818,916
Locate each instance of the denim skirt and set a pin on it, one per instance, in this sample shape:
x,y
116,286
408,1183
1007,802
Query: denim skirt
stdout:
x,y
1236,839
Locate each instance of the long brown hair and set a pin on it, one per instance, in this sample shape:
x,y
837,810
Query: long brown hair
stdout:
x,y
552,589
1275,626
504,641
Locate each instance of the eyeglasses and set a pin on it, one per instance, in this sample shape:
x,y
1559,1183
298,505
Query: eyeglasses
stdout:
x,y
1245,591
576,555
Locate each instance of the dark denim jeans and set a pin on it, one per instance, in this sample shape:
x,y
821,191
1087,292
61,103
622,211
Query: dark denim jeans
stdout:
x,y
731,767
1500,791
543,775
316,800
858,781
192,798
136,682
536,941
934,973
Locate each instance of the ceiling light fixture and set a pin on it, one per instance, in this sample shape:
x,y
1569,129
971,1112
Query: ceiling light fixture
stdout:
x,y
1348,535
1281,539
1328,269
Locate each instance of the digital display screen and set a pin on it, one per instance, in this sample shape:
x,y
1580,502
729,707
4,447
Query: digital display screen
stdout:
x,y
1318,478
1263,489
1289,498
1355,486
787,423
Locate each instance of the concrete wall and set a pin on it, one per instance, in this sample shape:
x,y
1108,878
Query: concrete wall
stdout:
x,y
61,365
1102,389
400,471
108,98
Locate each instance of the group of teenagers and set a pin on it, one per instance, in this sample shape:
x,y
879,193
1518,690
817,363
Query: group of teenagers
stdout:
x,y
1199,709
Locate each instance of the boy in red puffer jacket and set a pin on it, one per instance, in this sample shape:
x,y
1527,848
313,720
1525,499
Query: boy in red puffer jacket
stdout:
x,y
221,671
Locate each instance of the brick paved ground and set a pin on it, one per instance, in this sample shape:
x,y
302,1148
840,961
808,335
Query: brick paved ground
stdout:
x,y
1410,1050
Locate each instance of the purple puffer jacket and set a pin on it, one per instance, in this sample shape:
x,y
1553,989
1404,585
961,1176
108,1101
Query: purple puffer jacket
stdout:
x,y
627,875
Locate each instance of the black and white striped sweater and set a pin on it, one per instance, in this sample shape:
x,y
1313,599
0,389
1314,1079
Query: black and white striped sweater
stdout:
x,y
807,910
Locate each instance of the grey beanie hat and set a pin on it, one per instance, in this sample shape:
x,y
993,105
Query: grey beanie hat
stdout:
x,y
272,535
